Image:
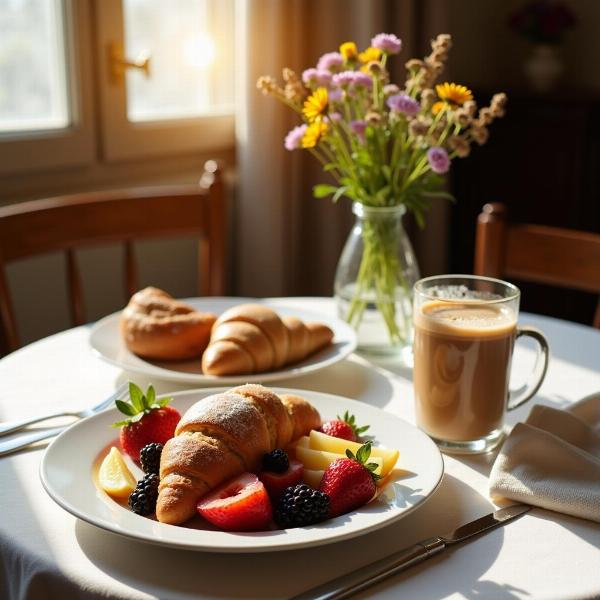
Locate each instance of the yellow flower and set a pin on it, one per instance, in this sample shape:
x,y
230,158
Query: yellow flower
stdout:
x,y
314,133
454,94
438,107
369,54
316,104
349,50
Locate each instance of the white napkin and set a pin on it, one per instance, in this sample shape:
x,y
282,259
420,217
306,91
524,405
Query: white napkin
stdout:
x,y
553,460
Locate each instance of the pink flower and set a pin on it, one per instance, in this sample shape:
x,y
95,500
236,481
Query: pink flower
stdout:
x,y
387,42
332,61
361,80
358,127
309,76
336,95
438,159
404,103
316,77
344,79
293,140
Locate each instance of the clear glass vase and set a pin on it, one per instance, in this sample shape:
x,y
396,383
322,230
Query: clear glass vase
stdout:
x,y
374,281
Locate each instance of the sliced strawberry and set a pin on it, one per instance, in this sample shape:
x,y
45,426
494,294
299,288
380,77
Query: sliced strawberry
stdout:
x,y
349,482
344,427
277,482
241,504
150,420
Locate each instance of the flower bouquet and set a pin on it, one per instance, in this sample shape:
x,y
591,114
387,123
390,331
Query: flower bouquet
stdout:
x,y
387,148
542,22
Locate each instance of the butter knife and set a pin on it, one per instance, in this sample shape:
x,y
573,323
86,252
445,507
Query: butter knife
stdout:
x,y
346,585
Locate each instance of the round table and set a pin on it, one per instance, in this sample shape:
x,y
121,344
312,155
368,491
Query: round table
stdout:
x,y
48,553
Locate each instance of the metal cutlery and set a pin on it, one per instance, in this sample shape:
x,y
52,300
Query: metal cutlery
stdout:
x,y
17,443
346,585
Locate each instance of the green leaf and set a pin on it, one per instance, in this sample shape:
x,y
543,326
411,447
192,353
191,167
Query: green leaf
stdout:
x,y
387,172
137,417
339,193
120,423
323,189
126,409
350,454
137,397
150,396
163,401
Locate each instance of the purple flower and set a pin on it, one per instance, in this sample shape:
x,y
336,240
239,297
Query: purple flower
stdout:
x,y
316,77
309,77
344,79
333,116
438,159
404,103
360,79
336,95
293,140
387,42
358,127
332,61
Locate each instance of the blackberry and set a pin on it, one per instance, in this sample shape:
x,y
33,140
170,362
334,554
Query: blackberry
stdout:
x,y
143,499
150,457
276,461
301,505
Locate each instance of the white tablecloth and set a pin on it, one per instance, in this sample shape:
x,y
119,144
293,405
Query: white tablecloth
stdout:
x,y
47,553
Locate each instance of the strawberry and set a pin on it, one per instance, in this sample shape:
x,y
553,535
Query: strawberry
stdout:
x,y
349,482
241,504
277,482
150,420
344,427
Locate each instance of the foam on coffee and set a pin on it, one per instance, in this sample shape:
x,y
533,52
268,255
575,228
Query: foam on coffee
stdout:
x,y
468,318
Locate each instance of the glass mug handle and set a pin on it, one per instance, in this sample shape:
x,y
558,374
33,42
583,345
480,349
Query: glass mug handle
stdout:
x,y
520,396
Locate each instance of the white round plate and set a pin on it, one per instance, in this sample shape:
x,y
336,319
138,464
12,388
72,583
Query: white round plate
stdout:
x,y
69,465
106,341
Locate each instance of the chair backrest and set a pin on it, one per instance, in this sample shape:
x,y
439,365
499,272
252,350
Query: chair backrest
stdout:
x,y
67,223
536,253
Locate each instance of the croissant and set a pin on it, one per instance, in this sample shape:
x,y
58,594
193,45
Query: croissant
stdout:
x,y
220,437
154,325
251,338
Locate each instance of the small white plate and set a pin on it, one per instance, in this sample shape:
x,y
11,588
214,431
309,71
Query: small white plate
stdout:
x,y
70,464
106,341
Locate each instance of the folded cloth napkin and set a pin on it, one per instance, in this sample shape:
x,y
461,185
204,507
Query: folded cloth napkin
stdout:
x,y
553,460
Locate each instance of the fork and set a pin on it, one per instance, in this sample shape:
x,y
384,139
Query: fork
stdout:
x,y
24,440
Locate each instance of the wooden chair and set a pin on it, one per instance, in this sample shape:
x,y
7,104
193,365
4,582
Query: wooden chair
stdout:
x,y
536,253
67,223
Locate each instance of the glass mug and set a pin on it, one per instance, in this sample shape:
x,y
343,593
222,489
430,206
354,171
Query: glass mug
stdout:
x,y
465,330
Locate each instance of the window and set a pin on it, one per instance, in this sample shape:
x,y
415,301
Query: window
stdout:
x,y
113,80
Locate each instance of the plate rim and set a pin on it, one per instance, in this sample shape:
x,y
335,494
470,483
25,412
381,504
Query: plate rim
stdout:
x,y
212,380
232,549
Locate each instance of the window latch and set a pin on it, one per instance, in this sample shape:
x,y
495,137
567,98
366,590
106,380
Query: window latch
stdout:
x,y
118,64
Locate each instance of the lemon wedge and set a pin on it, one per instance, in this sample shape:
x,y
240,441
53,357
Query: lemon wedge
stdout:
x,y
114,476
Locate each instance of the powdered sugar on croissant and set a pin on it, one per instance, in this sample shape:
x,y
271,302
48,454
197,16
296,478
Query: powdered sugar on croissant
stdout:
x,y
220,437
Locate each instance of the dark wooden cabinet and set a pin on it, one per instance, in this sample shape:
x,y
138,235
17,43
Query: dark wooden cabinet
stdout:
x,y
543,161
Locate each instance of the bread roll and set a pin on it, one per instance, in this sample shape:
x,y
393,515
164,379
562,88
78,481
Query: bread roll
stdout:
x,y
156,326
252,338
220,437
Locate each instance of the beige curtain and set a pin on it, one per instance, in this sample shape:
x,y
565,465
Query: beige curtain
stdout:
x,y
285,241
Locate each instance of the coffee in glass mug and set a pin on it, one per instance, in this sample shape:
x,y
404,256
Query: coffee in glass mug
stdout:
x,y
465,329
